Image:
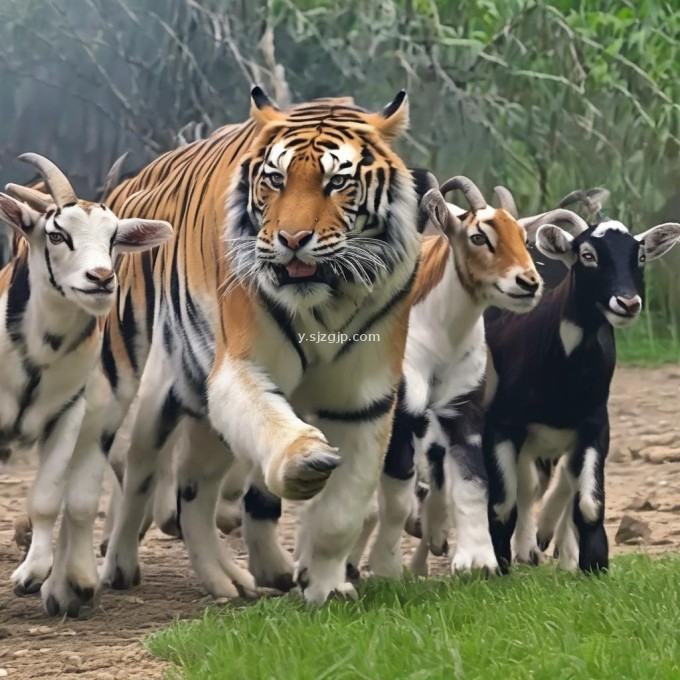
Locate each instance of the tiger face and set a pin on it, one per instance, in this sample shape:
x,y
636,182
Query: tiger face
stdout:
x,y
322,203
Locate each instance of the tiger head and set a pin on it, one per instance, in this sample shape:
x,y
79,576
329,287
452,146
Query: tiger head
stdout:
x,y
321,201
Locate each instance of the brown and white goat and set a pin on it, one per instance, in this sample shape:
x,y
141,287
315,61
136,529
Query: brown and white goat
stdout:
x,y
479,259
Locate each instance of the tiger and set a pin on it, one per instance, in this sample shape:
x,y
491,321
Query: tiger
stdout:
x,y
295,225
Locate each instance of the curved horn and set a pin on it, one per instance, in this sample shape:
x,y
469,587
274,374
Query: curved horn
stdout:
x,y
506,200
572,197
592,199
595,198
59,186
36,199
468,187
113,175
575,224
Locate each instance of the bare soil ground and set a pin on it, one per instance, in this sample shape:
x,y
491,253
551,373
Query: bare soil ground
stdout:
x,y
643,480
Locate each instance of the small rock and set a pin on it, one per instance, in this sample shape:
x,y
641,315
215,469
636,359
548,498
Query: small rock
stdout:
x,y
661,454
632,531
619,454
3,673
21,652
40,630
661,439
75,660
643,503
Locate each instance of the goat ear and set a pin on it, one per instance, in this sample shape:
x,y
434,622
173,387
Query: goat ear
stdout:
x,y
134,234
436,208
21,217
658,240
555,243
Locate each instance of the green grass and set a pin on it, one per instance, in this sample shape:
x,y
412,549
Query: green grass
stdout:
x,y
535,623
647,344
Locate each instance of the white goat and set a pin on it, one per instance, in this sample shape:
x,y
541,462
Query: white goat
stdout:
x,y
54,296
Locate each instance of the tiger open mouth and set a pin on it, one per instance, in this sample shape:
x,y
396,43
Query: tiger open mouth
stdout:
x,y
297,269
298,272
330,272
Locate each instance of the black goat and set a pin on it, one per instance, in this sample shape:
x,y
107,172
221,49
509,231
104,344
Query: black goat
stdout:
x,y
553,370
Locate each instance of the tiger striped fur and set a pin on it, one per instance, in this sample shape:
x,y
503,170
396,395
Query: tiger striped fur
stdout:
x,y
292,224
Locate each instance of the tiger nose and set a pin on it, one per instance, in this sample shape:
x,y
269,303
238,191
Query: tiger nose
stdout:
x,y
296,240
100,275
528,281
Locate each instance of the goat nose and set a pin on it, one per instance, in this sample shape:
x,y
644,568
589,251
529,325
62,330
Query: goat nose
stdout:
x,y
296,240
528,282
631,305
100,275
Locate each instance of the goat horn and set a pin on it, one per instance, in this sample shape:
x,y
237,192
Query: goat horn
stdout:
x,y
577,225
36,199
506,200
469,188
113,175
59,186
592,199
595,198
572,197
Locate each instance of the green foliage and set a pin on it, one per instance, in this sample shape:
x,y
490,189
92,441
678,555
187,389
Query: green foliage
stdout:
x,y
535,623
543,97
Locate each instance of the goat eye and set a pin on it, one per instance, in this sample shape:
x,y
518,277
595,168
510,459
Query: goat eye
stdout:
x,y
643,258
478,239
276,179
55,238
338,181
588,257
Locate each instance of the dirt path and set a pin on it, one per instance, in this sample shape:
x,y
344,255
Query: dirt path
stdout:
x,y
645,410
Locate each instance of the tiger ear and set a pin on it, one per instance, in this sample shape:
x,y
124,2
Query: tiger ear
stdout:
x,y
262,109
393,120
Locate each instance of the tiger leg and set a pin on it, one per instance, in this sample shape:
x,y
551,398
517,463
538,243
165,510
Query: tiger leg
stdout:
x,y
201,466
247,408
268,560
155,424
332,522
